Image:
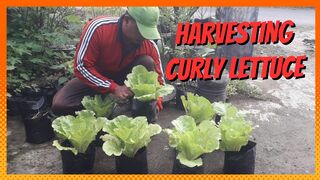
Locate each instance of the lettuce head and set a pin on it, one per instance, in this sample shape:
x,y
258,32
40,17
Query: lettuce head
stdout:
x,y
197,107
145,85
80,130
192,141
103,107
235,130
127,135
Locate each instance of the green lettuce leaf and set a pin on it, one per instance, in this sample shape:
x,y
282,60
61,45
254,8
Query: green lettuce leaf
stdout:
x,y
80,130
235,130
127,135
220,108
145,85
197,107
192,141
103,107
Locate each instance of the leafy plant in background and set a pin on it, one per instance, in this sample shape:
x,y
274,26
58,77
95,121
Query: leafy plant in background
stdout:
x,y
236,87
38,38
145,84
235,130
102,106
192,141
197,107
127,135
80,130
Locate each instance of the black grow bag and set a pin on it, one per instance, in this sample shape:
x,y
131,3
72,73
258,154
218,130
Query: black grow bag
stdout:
x,y
179,93
136,165
179,168
148,109
82,163
99,142
242,162
38,128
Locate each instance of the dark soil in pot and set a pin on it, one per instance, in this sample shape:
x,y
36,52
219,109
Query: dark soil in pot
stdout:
x,y
82,163
136,165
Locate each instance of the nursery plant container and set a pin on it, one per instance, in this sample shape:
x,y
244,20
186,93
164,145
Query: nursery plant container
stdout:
x,y
82,163
99,142
13,106
214,90
38,127
148,109
31,106
217,119
136,165
179,168
182,91
242,162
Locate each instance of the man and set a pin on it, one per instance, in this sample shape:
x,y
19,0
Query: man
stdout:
x,y
108,50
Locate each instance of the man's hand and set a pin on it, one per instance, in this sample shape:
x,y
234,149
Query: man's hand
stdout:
x,y
123,92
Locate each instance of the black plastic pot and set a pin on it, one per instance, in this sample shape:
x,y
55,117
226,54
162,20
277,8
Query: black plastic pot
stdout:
x,y
148,109
179,168
13,106
99,142
242,162
179,93
32,105
82,163
49,93
214,90
136,165
217,119
38,128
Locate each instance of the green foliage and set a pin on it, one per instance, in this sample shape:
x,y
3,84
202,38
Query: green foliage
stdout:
x,y
236,87
80,130
127,135
145,84
102,106
191,141
197,107
235,130
38,38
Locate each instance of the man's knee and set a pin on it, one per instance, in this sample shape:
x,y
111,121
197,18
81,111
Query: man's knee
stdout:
x,y
61,106
146,61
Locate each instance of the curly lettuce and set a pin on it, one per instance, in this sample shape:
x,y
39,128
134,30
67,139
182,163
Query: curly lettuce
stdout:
x,y
103,107
192,141
145,85
235,130
80,130
127,135
197,107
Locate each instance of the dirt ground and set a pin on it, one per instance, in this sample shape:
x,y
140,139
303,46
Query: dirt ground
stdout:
x,y
285,136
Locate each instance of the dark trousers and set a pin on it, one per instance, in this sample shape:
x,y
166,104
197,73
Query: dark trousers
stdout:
x,y
68,99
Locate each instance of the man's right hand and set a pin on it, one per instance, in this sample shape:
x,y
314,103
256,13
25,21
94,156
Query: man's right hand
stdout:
x,y
123,92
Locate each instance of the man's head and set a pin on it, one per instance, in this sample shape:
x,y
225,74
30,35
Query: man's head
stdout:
x,y
140,23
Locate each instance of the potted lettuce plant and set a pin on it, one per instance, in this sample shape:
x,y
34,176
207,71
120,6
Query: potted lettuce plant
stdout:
x,y
235,134
77,134
127,139
197,107
102,106
220,109
147,89
191,141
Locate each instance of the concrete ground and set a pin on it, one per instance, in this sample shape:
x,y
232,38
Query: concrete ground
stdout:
x,y
285,136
